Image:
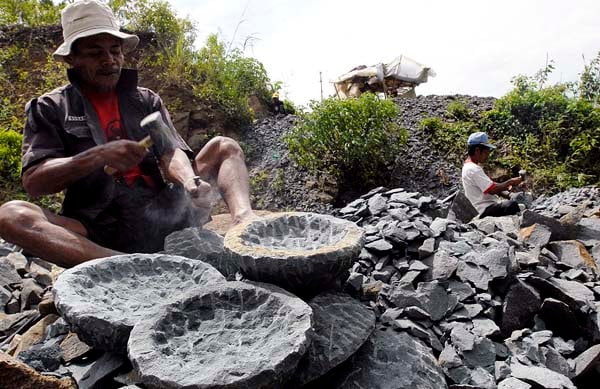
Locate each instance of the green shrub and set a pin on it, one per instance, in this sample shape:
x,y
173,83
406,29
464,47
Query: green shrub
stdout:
x,y
352,140
448,137
10,155
458,110
548,130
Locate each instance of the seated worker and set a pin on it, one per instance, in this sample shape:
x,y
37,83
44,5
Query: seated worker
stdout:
x,y
74,132
276,104
479,188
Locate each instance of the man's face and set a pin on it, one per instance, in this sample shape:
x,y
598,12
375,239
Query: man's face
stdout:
x,y
484,154
98,60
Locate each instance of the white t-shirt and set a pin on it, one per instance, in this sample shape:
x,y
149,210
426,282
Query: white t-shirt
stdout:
x,y
476,183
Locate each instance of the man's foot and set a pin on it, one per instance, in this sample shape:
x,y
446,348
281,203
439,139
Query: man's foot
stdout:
x,y
243,217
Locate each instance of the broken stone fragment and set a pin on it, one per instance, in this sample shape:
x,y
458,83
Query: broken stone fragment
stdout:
x,y
520,306
301,252
377,204
90,373
542,376
31,294
19,261
15,374
234,335
341,326
559,231
103,299
513,383
203,245
536,235
573,253
44,356
8,274
572,293
35,333
473,273
391,359
73,348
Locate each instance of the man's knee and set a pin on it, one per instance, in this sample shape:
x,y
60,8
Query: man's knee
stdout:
x,y
219,149
229,147
18,214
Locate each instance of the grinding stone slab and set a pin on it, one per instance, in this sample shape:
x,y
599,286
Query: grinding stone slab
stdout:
x,y
228,335
301,252
341,326
102,299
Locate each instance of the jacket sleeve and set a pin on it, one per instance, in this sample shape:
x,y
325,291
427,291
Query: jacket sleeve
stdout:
x,y
41,139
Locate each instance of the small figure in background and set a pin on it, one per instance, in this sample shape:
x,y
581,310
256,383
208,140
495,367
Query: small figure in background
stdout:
x,y
277,105
481,190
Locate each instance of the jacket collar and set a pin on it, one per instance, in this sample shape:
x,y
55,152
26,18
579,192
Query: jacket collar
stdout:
x,y
127,82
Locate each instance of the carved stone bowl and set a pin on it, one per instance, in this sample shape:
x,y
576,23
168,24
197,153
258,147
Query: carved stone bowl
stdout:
x,y
301,252
102,299
231,335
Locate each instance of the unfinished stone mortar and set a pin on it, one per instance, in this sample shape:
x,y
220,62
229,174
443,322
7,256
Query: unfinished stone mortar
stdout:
x,y
228,335
102,299
301,252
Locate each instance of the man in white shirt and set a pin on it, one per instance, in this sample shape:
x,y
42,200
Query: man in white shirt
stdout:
x,y
479,188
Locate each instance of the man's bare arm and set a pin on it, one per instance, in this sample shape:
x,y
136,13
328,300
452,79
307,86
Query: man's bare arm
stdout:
x,y
177,168
502,186
56,174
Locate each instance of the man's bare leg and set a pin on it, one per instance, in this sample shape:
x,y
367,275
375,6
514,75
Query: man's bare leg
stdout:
x,y
54,238
221,160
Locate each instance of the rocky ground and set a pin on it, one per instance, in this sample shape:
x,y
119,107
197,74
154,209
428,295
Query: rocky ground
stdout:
x,y
278,184
510,302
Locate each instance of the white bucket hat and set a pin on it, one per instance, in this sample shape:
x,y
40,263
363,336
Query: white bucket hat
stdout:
x,y
87,18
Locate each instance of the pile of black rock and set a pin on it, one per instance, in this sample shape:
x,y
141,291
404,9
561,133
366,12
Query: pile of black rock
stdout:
x,y
511,302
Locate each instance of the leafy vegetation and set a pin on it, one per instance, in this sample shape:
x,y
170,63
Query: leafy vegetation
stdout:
x,y
31,13
553,131
355,139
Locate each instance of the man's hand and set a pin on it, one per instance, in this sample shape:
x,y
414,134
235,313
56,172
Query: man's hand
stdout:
x,y
515,181
199,192
123,155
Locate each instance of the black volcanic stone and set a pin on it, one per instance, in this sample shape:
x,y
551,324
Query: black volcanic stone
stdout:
x,y
392,360
341,326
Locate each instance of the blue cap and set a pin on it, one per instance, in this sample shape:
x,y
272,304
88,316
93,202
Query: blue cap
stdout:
x,y
480,138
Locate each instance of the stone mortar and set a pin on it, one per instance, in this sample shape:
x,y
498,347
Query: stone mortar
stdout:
x,y
301,252
230,335
102,299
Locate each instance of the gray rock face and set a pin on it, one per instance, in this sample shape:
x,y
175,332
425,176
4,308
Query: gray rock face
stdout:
x,y
558,230
204,245
341,327
546,378
301,252
521,304
573,253
104,298
392,360
536,235
8,273
226,335
587,360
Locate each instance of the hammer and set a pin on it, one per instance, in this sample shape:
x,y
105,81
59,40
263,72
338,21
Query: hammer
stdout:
x,y
158,130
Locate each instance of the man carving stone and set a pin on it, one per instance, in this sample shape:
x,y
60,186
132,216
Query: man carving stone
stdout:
x,y
74,132
479,188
